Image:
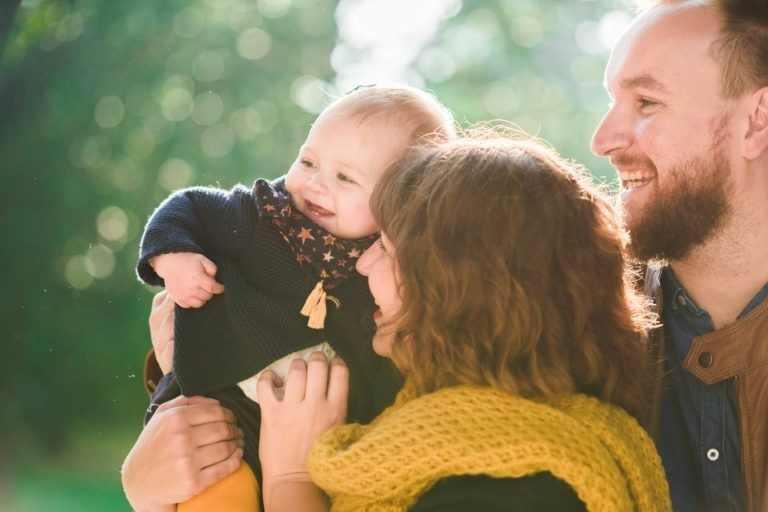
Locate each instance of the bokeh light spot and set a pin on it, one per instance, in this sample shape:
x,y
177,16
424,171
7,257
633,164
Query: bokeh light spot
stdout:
x,y
139,143
246,15
500,100
207,108
174,174
188,22
76,274
246,123
273,8
612,25
588,38
126,174
436,65
109,111
217,141
308,92
70,27
176,104
208,66
100,261
268,114
526,31
112,223
158,128
90,152
484,22
254,44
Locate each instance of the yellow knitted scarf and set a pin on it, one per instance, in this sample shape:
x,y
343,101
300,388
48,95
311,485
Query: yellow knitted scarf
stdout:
x,y
597,448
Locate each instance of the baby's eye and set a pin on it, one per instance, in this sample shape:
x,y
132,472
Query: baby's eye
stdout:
x,y
307,163
344,178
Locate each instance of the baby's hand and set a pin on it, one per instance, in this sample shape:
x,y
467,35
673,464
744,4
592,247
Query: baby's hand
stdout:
x,y
189,278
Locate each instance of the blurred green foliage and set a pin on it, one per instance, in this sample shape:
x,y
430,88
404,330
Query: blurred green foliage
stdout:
x,y
107,106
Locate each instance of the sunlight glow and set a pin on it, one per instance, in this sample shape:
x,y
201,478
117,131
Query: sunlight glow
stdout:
x,y
376,44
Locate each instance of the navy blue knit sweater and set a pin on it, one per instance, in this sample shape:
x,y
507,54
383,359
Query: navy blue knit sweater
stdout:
x,y
257,320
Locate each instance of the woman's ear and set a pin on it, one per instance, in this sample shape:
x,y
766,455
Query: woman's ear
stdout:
x,y
756,138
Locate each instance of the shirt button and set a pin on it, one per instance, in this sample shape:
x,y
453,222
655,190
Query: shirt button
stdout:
x,y
713,454
706,359
681,300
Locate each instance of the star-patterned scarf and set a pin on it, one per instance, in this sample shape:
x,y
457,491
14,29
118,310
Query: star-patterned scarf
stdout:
x,y
330,258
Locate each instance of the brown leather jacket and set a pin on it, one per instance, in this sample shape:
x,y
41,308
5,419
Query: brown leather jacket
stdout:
x,y
739,351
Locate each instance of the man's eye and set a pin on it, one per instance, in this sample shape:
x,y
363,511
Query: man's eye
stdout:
x,y
644,103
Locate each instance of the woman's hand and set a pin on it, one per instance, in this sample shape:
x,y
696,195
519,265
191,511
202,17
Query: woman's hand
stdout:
x,y
315,399
189,444
161,330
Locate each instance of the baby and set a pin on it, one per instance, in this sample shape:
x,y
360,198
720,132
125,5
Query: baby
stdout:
x,y
267,274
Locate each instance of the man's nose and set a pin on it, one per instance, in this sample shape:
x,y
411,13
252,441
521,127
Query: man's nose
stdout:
x,y
611,134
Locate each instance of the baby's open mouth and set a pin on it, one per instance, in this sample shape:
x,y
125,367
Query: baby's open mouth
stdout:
x,y
317,210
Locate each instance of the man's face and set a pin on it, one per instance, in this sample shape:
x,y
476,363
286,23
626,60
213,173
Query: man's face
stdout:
x,y
668,131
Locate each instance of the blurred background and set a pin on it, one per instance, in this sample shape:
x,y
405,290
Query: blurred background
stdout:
x,y
107,106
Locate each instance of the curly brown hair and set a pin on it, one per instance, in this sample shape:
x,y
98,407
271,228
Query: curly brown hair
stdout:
x,y
512,273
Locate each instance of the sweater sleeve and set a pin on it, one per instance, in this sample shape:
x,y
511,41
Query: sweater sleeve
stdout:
x,y
203,220
481,492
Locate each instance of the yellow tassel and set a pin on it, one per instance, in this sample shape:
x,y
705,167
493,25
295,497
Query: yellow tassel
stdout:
x,y
317,316
315,307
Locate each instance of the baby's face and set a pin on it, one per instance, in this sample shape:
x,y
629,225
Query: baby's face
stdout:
x,y
332,179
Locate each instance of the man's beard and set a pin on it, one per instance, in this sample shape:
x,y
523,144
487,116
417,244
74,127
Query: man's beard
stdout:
x,y
685,213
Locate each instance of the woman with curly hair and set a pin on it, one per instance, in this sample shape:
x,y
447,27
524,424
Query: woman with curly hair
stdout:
x,y
505,300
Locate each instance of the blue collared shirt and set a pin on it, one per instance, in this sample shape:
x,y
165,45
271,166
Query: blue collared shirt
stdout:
x,y
699,440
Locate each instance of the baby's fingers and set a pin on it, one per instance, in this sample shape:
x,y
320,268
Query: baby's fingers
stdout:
x,y
211,287
209,267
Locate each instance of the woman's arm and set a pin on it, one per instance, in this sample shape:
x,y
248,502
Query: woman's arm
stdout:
x,y
189,444
161,330
315,400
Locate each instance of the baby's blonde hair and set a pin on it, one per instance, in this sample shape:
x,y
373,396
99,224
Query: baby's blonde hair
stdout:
x,y
407,107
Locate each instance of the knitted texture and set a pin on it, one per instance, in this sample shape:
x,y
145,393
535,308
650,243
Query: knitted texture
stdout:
x,y
257,320
597,448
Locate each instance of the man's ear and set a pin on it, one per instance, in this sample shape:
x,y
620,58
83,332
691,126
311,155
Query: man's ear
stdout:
x,y
756,138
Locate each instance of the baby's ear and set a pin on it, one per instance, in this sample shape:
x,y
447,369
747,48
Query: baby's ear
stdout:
x,y
756,138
